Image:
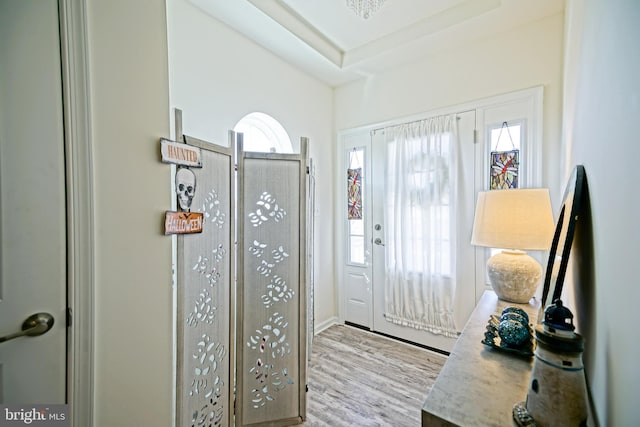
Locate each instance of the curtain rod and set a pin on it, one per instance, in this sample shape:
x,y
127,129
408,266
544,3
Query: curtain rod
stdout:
x,y
419,120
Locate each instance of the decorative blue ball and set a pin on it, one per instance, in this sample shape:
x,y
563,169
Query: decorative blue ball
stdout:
x,y
513,333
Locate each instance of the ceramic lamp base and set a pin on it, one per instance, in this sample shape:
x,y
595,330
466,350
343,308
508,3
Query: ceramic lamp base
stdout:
x,y
514,275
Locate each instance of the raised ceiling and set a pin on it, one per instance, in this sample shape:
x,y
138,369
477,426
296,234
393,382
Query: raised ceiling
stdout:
x,y
328,40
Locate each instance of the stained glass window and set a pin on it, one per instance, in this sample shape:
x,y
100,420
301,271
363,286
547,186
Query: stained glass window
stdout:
x,y
504,169
354,191
504,161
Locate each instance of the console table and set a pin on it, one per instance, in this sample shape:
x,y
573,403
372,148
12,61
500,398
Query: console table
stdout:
x,y
479,385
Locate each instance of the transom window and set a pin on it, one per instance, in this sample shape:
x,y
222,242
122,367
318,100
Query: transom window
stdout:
x,y
263,133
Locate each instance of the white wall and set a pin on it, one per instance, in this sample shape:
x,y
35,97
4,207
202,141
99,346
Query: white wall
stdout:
x,y
601,111
525,57
130,112
218,76
133,307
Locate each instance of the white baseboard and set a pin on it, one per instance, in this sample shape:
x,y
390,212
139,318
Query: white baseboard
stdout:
x,y
319,327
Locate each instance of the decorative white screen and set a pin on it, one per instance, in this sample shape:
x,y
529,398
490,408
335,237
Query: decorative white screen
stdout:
x,y
272,296
205,311
263,332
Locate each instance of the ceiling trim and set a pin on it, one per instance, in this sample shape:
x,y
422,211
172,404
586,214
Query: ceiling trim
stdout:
x,y
286,17
278,27
423,28
299,27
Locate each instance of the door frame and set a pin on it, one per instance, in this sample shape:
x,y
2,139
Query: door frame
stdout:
x,y
339,217
80,217
533,95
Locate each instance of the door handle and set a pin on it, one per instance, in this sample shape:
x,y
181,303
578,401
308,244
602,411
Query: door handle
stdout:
x,y
34,325
378,241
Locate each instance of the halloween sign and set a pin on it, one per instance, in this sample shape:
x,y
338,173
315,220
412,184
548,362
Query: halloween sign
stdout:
x,y
183,222
181,154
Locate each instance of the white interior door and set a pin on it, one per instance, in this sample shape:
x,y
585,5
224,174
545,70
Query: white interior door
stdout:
x,y
32,202
465,298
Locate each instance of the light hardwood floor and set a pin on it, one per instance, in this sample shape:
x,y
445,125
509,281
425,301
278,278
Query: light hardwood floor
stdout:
x,y
357,378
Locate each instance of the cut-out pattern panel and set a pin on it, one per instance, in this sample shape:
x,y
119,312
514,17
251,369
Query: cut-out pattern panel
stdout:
x,y
203,310
270,381
205,278
207,266
267,208
271,360
207,356
277,291
211,208
265,267
271,337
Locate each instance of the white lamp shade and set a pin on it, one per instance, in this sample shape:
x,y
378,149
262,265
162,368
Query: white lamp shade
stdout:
x,y
514,219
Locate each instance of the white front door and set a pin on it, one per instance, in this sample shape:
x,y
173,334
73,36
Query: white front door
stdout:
x,y
33,253
465,298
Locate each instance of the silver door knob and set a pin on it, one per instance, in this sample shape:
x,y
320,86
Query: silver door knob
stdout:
x,y
378,241
34,325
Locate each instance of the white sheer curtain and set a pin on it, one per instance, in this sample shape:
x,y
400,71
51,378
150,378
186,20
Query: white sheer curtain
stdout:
x,y
420,185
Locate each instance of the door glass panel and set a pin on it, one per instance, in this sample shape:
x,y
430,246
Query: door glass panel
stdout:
x,y
355,205
507,137
356,244
357,227
427,179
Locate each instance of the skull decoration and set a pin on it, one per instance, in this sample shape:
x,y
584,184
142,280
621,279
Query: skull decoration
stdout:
x,y
185,187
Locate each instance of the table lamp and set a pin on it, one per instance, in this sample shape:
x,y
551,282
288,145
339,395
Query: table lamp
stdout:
x,y
516,221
